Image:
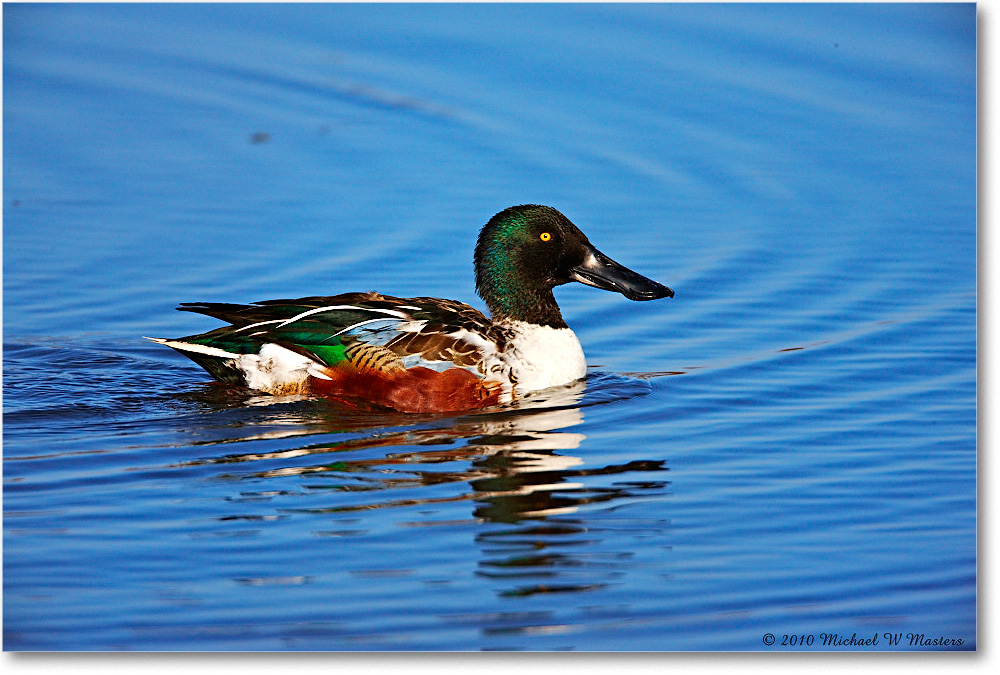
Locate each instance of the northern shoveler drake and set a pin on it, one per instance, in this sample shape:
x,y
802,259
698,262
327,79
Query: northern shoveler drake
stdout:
x,y
425,354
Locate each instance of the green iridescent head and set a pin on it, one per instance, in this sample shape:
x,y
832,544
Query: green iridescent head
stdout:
x,y
525,251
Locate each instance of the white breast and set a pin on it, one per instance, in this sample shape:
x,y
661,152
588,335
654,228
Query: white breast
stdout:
x,y
541,357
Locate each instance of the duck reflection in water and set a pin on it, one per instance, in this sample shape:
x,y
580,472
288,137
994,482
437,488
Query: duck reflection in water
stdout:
x,y
526,477
518,461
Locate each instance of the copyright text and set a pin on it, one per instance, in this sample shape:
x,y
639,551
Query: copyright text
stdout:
x,y
853,640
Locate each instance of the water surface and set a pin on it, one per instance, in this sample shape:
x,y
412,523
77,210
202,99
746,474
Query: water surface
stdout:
x,y
787,447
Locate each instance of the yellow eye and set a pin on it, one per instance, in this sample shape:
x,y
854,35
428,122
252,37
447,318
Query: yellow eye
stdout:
x,y
545,236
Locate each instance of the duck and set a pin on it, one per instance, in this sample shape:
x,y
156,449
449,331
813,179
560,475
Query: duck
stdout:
x,y
424,354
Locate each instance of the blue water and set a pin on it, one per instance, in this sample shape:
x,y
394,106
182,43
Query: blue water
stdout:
x,y
787,447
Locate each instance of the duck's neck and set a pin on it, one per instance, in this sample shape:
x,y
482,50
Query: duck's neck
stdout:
x,y
537,307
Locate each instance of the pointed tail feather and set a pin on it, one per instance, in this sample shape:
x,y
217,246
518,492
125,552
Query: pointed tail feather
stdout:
x,y
220,364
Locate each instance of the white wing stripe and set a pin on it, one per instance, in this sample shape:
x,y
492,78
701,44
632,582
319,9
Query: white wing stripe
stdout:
x,y
390,312
254,325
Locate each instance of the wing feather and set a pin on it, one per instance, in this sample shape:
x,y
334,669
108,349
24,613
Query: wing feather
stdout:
x,y
368,330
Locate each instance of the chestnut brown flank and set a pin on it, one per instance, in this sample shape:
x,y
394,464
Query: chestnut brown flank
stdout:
x,y
415,389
